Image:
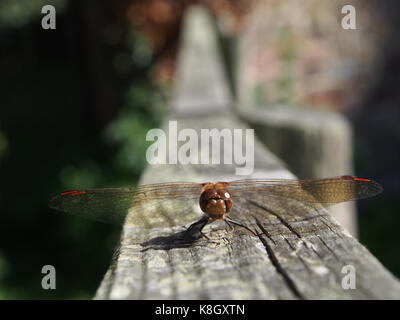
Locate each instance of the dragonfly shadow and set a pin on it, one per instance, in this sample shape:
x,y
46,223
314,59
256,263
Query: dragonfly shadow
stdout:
x,y
182,239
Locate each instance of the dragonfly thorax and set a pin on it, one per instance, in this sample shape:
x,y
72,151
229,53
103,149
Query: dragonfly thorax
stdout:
x,y
215,202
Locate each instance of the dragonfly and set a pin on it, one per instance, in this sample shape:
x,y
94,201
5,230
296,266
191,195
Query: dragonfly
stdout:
x,y
178,203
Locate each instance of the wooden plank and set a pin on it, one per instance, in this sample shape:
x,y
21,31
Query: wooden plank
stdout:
x,y
313,144
295,257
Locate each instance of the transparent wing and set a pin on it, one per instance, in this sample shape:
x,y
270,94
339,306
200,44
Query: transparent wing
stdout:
x,y
295,204
147,206
325,191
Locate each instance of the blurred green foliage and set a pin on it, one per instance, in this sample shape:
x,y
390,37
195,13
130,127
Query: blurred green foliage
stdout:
x,y
287,80
17,13
46,148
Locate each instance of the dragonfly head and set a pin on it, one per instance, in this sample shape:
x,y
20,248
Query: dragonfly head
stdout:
x,y
215,202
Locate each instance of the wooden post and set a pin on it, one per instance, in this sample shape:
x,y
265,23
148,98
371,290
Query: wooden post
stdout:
x,y
292,259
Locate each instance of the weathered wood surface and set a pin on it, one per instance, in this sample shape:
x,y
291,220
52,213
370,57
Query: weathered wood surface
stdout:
x,y
313,144
294,258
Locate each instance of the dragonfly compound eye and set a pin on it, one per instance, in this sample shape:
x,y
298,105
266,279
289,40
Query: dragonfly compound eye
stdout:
x,y
215,203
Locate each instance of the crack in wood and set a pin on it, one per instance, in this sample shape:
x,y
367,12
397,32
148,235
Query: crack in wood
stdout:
x,y
264,230
281,219
295,253
280,270
329,248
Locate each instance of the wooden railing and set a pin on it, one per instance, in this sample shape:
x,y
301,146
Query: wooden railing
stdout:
x,y
303,258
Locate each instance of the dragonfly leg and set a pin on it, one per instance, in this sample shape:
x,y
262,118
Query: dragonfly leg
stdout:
x,y
199,225
240,225
201,232
230,226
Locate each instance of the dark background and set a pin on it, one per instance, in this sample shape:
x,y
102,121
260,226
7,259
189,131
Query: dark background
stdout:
x,y
75,102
